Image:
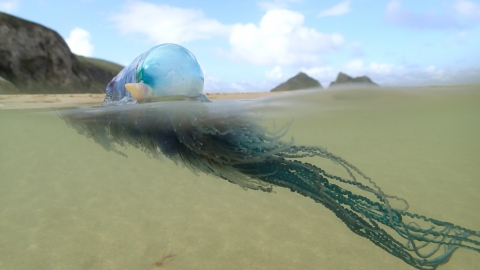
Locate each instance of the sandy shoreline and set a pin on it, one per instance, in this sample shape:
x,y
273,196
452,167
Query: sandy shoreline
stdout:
x,y
28,101
41,101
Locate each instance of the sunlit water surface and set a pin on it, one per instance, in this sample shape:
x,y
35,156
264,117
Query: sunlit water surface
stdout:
x,y
66,203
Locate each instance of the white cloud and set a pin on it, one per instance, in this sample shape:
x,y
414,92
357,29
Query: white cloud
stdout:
x,y
8,5
275,73
383,69
339,9
275,4
387,74
211,85
237,87
215,85
324,75
467,8
79,42
281,39
354,67
430,68
396,14
163,23
381,73
394,7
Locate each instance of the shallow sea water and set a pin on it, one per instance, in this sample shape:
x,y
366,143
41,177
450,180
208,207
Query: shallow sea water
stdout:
x,y
66,203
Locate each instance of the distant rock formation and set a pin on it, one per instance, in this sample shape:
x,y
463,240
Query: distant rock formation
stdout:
x,y
36,59
345,80
299,81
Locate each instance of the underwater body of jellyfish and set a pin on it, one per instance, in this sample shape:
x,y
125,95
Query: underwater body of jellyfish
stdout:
x,y
157,104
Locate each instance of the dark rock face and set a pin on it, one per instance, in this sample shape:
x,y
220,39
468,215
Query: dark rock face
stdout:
x,y
7,87
37,60
345,80
299,81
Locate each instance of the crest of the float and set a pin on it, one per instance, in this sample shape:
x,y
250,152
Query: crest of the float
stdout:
x,y
165,72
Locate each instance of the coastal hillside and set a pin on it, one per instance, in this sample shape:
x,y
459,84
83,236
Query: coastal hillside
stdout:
x,y
36,60
345,80
299,81
303,81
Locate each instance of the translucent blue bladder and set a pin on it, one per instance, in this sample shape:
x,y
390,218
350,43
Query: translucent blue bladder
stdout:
x,y
166,70
229,142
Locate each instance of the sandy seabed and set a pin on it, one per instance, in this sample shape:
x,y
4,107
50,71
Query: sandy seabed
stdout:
x,y
66,203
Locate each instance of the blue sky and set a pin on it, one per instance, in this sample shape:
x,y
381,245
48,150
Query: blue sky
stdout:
x,y
246,46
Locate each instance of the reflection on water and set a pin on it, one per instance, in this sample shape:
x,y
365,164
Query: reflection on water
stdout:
x,y
67,203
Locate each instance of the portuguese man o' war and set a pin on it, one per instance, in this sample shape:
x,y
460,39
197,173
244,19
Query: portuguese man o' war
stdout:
x,y
178,74
163,112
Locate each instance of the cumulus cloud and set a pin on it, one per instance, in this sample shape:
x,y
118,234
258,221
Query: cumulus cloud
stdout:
x,y
8,5
211,85
388,74
324,74
467,8
163,23
396,14
281,39
216,85
79,42
275,4
275,73
339,9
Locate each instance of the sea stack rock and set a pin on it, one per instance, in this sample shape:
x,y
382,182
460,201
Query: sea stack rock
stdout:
x,y
299,81
37,60
345,80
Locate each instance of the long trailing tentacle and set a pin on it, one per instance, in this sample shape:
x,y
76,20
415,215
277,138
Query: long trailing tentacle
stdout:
x,y
233,145
423,247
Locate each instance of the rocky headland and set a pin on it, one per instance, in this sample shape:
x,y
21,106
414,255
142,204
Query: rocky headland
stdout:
x,y
299,81
36,60
345,80
303,81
